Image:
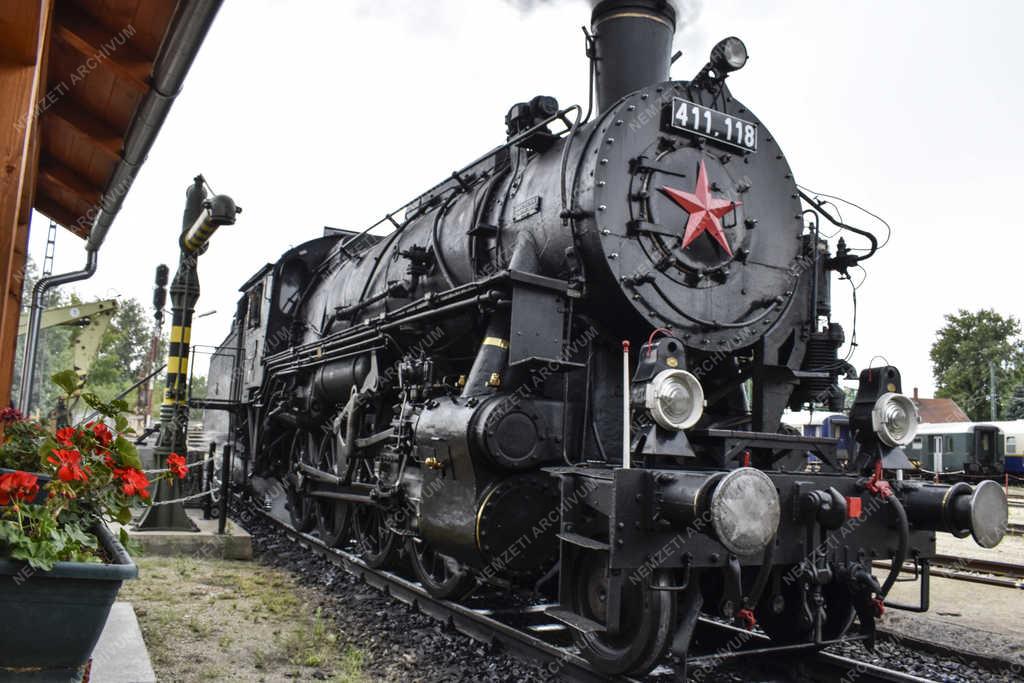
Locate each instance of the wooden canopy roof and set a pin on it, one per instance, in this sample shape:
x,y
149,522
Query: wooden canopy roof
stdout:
x,y
75,81
100,57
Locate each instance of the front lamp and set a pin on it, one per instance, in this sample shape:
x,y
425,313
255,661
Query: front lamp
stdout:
x,y
730,54
894,419
675,399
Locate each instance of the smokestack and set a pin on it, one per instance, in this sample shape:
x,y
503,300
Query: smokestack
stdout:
x,y
633,46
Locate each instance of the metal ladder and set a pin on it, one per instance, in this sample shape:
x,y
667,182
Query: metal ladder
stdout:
x,y
51,248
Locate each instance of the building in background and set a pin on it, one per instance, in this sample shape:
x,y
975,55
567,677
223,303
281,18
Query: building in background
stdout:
x,y
939,409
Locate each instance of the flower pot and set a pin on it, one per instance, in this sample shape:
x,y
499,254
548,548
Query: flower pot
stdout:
x,y
44,479
52,619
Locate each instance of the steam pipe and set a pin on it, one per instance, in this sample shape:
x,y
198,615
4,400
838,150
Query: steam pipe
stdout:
x,y
903,527
189,26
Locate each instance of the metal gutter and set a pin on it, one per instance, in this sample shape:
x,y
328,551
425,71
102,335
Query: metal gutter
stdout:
x,y
189,26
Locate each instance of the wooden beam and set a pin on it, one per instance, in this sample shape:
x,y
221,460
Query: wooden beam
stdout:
x,y
17,43
21,85
87,128
55,211
54,175
101,47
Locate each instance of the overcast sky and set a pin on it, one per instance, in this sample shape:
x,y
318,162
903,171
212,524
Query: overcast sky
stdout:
x,y
331,113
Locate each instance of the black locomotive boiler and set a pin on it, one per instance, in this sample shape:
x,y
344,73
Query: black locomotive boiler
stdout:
x,y
563,370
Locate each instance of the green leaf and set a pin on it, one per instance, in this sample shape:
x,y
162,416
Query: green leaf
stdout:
x,y
45,564
124,516
93,400
118,406
121,423
66,380
45,451
123,534
127,454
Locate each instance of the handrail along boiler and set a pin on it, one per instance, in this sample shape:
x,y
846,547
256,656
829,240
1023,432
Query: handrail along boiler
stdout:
x,y
452,390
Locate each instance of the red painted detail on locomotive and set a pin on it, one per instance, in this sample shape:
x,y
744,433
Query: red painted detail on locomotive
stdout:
x,y
705,211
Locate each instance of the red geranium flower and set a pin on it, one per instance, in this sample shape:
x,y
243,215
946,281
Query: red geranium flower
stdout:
x,y
134,482
102,434
176,464
66,436
18,485
70,462
11,415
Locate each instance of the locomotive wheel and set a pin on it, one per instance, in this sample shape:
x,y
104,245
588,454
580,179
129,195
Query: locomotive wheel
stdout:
x,y
444,577
648,617
332,516
300,506
785,627
376,544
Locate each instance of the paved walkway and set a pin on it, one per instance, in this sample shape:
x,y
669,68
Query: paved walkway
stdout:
x,y
121,655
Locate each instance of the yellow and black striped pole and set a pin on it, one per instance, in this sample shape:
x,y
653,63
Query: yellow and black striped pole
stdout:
x,y
177,358
201,220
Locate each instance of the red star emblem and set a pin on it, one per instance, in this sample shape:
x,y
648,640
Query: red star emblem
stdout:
x,y
705,211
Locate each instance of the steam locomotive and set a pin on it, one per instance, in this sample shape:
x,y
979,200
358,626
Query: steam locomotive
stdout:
x,y
563,370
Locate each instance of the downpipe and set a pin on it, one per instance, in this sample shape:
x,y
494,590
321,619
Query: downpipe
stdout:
x,y
35,319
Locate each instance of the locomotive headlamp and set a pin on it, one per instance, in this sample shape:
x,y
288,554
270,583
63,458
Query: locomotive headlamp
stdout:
x,y
675,399
745,511
894,419
883,420
730,54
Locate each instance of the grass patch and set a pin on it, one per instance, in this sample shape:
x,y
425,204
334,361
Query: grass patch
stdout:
x,y
221,620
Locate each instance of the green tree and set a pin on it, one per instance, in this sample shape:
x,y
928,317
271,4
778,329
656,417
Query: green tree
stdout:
x,y
121,360
1015,409
123,350
198,387
962,353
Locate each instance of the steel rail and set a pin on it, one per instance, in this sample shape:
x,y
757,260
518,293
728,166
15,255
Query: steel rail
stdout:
x,y
484,624
973,570
824,666
977,564
479,624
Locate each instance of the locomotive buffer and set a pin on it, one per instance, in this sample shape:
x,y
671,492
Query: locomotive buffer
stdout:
x,y
201,219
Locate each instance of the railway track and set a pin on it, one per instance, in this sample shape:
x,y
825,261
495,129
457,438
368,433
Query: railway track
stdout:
x,y
529,634
1009,574
973,570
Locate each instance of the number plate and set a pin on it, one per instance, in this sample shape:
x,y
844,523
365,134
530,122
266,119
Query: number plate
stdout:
x,y
713,124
